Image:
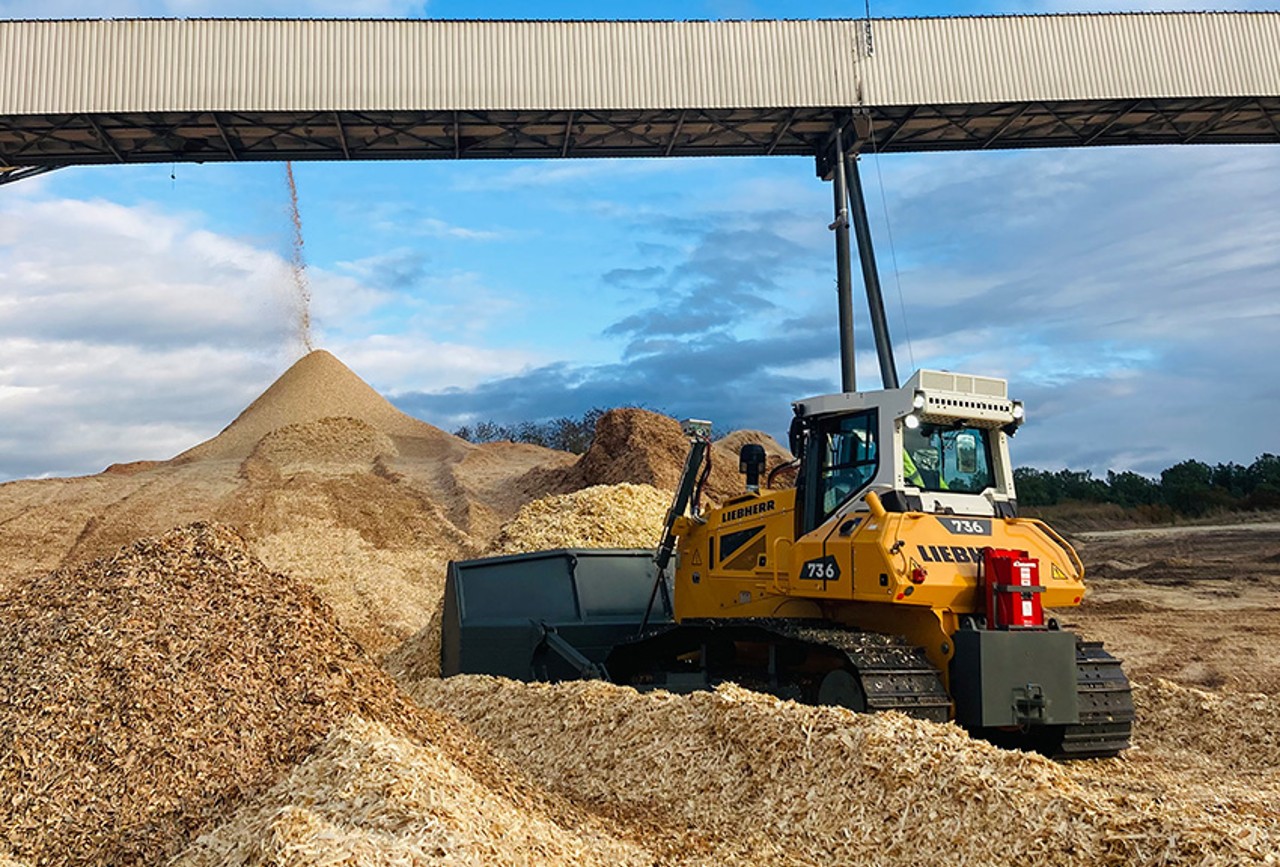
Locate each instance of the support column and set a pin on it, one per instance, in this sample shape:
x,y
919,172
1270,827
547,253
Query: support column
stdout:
x,y
870,278
844,269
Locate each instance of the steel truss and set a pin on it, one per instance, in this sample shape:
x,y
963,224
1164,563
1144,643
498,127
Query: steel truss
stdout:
x,y
49,141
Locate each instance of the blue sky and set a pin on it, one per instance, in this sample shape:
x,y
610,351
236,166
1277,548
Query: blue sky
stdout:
x,y
1130,295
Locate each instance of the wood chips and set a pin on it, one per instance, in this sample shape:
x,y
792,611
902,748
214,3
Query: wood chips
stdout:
x,y
369,797
142,695
745,778
601,516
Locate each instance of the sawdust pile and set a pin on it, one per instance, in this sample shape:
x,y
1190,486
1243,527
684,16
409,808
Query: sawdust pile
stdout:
x,y
369,796
749,779
642,447
144,694
776,457
602,516
331,483
1233,731
318,386
328,445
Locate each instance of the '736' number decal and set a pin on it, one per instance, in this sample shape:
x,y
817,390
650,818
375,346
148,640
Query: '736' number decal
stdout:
x,y
822,569
967,526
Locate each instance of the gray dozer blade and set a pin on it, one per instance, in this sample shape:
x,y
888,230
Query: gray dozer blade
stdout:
x,y
550,615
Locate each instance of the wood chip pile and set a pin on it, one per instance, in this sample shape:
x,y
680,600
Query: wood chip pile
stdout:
x,y
145,694
749,779
1228,730
338,444
602,516
642,447
317,386
369,797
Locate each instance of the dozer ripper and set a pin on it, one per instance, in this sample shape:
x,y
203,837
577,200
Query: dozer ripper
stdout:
x,y
895,575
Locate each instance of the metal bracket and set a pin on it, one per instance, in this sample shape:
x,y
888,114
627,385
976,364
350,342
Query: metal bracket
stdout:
x,y
831,150
553,642
1028,703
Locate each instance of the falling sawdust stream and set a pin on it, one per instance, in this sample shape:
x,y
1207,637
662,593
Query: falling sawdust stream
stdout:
x,y
298,265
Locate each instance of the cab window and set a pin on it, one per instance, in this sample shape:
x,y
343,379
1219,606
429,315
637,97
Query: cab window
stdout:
x,y
945,458
848,458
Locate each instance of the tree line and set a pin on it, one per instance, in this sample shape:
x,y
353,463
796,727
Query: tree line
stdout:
x,y
564,434
1189,488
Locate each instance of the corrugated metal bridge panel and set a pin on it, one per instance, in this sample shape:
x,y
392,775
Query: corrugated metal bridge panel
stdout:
x,y
67,67
1074,57
196,90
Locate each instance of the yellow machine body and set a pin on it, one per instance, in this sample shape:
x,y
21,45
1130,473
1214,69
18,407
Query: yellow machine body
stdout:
x,y
910,571
743,561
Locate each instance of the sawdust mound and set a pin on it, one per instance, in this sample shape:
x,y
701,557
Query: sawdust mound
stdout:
x,y
602,516
1233,731
776,457
645,448
317,386
369,796
631,445
143,694
338,444
751,779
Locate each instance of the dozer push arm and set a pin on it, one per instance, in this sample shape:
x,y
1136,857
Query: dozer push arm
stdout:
x,y
553,642
699,434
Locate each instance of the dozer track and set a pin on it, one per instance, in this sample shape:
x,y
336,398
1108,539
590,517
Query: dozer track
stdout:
x,y
1105,704
1106,708
812,663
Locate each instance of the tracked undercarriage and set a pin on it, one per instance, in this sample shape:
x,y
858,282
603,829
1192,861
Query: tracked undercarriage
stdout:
x,y
866,672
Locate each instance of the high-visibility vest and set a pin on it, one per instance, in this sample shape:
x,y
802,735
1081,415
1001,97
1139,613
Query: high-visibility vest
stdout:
x,y
912,473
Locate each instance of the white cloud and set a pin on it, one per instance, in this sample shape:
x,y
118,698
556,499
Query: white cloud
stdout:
x,y
405,219
130,333
102,272
76,407
415,362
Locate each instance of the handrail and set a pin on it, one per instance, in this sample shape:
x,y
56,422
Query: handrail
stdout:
x,y
776,585
1062,543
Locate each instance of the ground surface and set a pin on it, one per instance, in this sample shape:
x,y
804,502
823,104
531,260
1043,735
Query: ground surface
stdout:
x,y
1199,605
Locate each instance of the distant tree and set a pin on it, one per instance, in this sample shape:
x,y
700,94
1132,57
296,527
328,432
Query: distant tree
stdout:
x,y
1263,482
1130,490
1034,487
1080,486
1186,487
1230,478
565,434
575,435
530,432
